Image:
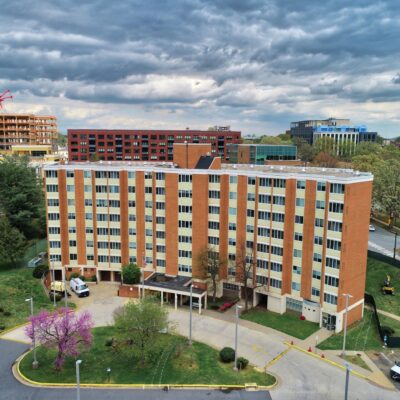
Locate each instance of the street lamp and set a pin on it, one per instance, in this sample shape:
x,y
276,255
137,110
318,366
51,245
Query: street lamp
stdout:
x,y
236,336
346,388
345,322
190,319
78,393
395,245
108,374
35,363
65,290
53,281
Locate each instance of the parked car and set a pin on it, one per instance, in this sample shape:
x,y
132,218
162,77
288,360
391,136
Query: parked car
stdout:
x,y
79,287
395,371
372,228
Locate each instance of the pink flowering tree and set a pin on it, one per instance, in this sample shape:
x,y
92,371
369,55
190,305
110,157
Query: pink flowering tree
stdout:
x,y
67,332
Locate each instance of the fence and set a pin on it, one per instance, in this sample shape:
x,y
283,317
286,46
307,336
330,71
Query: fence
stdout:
x,y
391,341
386,259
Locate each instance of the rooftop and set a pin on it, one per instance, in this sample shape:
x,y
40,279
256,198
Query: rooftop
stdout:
x,y
180,283
281,171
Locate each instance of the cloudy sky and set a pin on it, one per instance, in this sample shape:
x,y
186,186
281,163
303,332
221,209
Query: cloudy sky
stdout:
x,y
254,65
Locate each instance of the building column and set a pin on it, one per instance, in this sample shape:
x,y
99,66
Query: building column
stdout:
x,y
205,301
181,300
199,300
176,301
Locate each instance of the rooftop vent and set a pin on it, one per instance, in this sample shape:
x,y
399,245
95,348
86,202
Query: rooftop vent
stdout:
x,y
234,166
303,169
251,166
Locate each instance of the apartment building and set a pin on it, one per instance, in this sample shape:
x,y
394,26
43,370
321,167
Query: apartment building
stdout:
x,y
144,145
24,130
305,228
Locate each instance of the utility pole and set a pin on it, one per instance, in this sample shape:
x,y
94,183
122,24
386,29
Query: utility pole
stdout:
x,y
395,245
345,322
346,388
191,311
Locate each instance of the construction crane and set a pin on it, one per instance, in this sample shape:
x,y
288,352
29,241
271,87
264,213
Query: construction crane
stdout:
x,y
5,96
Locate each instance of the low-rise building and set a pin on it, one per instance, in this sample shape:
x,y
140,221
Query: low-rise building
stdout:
x,y
260,153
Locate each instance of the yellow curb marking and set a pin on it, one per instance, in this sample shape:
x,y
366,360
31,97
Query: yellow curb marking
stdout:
x,y
277,358
137,385
334,363
12,328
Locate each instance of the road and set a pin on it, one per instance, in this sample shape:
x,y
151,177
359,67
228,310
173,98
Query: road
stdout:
x,y
382,242
11,389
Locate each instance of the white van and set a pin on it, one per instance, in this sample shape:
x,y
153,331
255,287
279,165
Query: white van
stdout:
x,y
79,287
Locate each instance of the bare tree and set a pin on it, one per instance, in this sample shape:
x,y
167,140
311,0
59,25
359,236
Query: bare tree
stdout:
x,y
245,266
210,263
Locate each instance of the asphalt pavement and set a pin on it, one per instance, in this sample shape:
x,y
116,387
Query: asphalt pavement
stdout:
x,y
382,241
11,389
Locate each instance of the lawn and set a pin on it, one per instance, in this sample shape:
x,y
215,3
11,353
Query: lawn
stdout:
x,y
362,335
357,360
289,322
178,363
376,273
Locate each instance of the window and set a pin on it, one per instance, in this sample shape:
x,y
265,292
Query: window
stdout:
x,y
213,240
54,230
263,264
298,219
277,234
299,202
160,248
314,291
53,202
184,239
185,253
296,270
160,263
250,228
213,210
88,202
277,267
55,244
115,259
185,178
330,298
319,222
277,217
298,236
333,244
321,186
160,191
52,188
334,226
51,174
262,280
316,274
337,188
233,179
160,205
185,193
232,211
101,203
297,253
87,174
148,204
332,262
72,229
233,195
115,231
320,204
87,188
160,176
295,286
276,283
265,215
73,256
213,225
88,216
232,226
251,197
89,230
114,203
280,183
279,200
53,216
184,224
263,248
101,189
331,281
250,213
214,178
70,174
265,182
231,242
263,232
71,215
184,268
264,199
301,184
115,217
317,257
318,240
131,189
336,207
251,180
214,194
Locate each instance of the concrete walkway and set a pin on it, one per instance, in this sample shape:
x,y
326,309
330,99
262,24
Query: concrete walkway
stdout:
x,y
390,315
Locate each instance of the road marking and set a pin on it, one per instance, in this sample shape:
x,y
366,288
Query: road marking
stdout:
x,y
277,358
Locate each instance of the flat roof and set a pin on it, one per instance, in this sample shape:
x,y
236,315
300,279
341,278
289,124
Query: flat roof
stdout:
x,y
179,283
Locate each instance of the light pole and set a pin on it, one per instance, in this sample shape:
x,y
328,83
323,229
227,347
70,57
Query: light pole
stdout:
x,y
35,363
395,245
65,290
345,322
190,318
346,388
53,281
236,336
78,393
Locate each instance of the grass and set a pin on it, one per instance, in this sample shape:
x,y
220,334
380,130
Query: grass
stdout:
x,y
289,322
376,273
357,360
179,364
362,335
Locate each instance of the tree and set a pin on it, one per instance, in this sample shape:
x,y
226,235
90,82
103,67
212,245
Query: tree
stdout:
x,y
367,148
138,325
209,261
62,140
12,242
245,266
270,140
21,196
66,332
325,160
131,273
305,151
386,188
365,162
326,145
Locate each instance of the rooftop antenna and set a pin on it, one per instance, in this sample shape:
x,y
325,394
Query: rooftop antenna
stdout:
x,y
5,96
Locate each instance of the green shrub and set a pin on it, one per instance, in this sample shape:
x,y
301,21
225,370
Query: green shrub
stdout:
x,y
109,342
131,273
57,296
227,354
242,362
2,327
7,313
93,278
386,330
74,275
1,309
82,278
40,270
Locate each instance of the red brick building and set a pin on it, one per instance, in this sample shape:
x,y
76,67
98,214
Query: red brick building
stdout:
x,y
144,145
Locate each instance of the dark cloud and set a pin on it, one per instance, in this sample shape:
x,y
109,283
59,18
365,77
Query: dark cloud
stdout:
x,y
254,53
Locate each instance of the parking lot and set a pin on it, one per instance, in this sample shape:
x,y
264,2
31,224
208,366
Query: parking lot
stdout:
x,y
384,360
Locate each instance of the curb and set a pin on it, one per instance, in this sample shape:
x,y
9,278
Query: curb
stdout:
x,y
24,380
11,329
334,363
